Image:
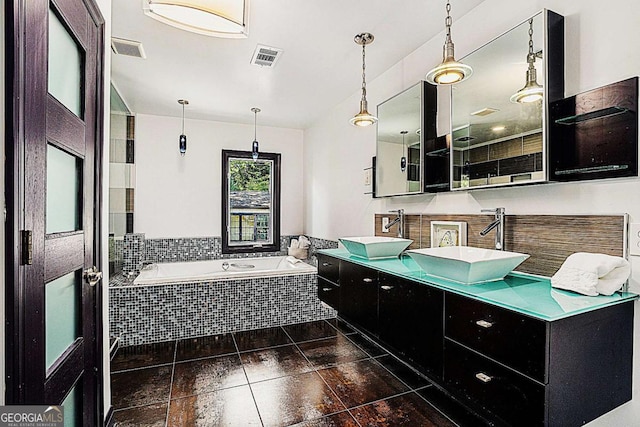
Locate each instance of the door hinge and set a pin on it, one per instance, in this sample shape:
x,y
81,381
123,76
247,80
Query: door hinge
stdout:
x,y
27,247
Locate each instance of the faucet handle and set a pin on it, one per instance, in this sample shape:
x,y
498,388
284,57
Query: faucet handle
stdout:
x,y
496,211
398,211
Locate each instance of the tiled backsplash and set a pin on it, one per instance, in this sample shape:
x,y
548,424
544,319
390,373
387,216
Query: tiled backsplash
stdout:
x,y
548,239
136,249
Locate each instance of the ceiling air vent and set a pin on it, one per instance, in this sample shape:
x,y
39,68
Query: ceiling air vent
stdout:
x,y
127,47
484,112
266,56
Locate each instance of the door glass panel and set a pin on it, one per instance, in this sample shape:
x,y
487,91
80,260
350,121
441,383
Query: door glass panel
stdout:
x,y
63,191
73,406
65,66
62,314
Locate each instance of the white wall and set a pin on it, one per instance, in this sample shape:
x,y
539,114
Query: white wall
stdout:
x,y
601,48
181,196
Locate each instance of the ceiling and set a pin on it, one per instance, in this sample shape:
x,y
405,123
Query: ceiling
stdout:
x,y
320,66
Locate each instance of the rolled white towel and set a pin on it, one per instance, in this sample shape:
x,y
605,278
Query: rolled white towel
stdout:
x,y
293,260
304,242
592,274
294,244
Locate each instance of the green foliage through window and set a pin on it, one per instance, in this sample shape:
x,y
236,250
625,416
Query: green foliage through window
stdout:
x,y
249,175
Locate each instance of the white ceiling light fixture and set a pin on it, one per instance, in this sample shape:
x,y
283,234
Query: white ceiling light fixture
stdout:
x,y
532,91
449,71
363,118
216,18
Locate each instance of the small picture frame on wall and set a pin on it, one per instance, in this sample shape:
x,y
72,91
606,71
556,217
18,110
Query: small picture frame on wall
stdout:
x,y
448,233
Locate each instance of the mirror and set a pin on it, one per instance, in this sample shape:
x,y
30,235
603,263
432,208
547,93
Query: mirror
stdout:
x,y
398,147
497,141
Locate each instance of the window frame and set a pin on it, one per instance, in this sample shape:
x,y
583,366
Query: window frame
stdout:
x,y
227,248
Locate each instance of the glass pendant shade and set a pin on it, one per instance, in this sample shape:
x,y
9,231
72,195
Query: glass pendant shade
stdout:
x,y
182,140
254,145
217,18
363,118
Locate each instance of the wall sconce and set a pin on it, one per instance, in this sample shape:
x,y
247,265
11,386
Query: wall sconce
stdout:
x,y
449,71
254,145
216,18
532,91
183,137
403,159
363,118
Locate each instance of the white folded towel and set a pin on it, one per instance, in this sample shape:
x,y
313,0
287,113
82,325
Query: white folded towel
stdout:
x,y
592,274
293,260
294,244
304,242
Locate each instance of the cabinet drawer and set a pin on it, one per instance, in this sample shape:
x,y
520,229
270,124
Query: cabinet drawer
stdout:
x,y
328,268
513,339
328,292
489,387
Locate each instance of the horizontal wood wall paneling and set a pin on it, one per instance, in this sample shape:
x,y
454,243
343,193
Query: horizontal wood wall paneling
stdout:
x,y
548,239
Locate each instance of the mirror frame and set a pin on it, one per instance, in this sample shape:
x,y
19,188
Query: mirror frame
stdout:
x,y
553,39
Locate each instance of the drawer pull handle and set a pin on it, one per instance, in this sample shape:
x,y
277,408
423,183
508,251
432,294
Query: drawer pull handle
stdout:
x,y
326,289
483,377
367,280
326,264
386,287
484,323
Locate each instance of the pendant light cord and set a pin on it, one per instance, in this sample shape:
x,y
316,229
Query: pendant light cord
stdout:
x,y
531,58
364,82
183,118
448,21
255,124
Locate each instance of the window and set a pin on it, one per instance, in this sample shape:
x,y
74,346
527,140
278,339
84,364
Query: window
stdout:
x,y
250,202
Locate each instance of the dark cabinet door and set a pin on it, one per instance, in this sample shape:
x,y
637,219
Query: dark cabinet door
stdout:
x,y
328,292
359,296
410,321
328,267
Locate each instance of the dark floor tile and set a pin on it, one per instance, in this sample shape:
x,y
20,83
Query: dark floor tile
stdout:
x,y
289,400
228,407
311,331
274,362
207,375
406,410
261,338
331,351
196,348
402,371
459,413
140,387
142,416
371,348
342,326
357,383
139,356
342,419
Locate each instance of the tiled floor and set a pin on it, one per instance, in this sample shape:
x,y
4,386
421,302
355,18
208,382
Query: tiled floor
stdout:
x,y
310,374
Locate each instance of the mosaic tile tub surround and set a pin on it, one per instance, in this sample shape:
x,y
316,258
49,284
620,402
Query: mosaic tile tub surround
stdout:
x,y
148,314
136,249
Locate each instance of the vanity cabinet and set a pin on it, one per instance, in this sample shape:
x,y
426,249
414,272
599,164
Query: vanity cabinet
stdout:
x,y
525,371
524,367
328,278
410,322
359,296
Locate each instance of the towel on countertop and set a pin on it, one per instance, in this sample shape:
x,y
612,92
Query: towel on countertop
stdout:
x,y
303,242
592,274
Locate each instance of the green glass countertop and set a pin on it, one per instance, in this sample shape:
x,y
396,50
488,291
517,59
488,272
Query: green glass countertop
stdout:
x,y
527,294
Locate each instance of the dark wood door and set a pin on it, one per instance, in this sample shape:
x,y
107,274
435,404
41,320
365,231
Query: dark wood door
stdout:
x,y
411,321
358,302
54,73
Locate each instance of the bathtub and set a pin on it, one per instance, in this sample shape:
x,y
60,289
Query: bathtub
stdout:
x,y
207,271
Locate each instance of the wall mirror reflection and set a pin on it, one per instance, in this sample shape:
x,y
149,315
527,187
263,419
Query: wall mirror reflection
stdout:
x,y
498,115
398,147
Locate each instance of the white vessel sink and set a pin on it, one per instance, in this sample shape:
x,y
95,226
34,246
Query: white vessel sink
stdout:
x,y
373,247
466,264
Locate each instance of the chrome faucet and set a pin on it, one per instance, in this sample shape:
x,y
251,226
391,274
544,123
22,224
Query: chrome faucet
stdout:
x,y
498,224
399,220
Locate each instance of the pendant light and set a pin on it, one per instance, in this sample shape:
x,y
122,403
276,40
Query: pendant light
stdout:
x,y
449,71
183,138
403,159
254,145
363,118
532,91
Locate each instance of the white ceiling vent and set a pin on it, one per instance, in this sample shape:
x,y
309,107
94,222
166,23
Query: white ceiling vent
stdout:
x,y
266,56
127,47
485,111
